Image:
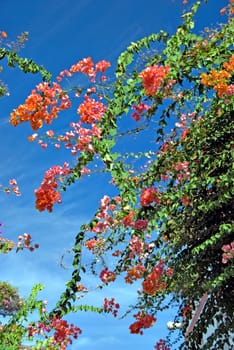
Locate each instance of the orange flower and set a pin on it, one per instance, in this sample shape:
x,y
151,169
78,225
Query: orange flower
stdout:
x,y
91,111
185,200
129,219
42,106
81,288
152,78
219,79
223,10
152,284
135,273
3,35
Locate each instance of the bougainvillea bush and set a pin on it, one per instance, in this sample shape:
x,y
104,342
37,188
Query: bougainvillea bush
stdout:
x,y
169,224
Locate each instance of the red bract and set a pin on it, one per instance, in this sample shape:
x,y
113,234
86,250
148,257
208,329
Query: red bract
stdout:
x,y
107,276
148,196
143,321
153,77
111,306
152,284
228,254
140,109
141,224
63,332
129,219
135,273
161,345
182,169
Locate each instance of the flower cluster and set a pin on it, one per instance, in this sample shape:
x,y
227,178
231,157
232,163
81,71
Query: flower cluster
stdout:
x,y
111,306
42,106
63,332
219,80
161,345
81,288
153,77
228,9
80,138
153,283
183,124
186,311
91,110
48,193
129,221
86,66
136,247
139,110
38,328
107,276
148,196
14,45
182,169
12,188
228,252
105,214
24,242
143,321
135,273
95,245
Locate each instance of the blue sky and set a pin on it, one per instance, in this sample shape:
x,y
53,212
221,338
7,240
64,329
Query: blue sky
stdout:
x,y
62,32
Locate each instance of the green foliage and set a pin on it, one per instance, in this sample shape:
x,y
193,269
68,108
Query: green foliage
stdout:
x,y
14,330
25,64
10,53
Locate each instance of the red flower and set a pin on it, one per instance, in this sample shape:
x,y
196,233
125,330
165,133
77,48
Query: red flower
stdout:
x,y
128,220
143,321
152,284
107,276
148,196
111,306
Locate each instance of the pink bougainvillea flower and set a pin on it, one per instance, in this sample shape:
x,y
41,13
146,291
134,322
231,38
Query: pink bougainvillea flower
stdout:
x,y
136,246
139,110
